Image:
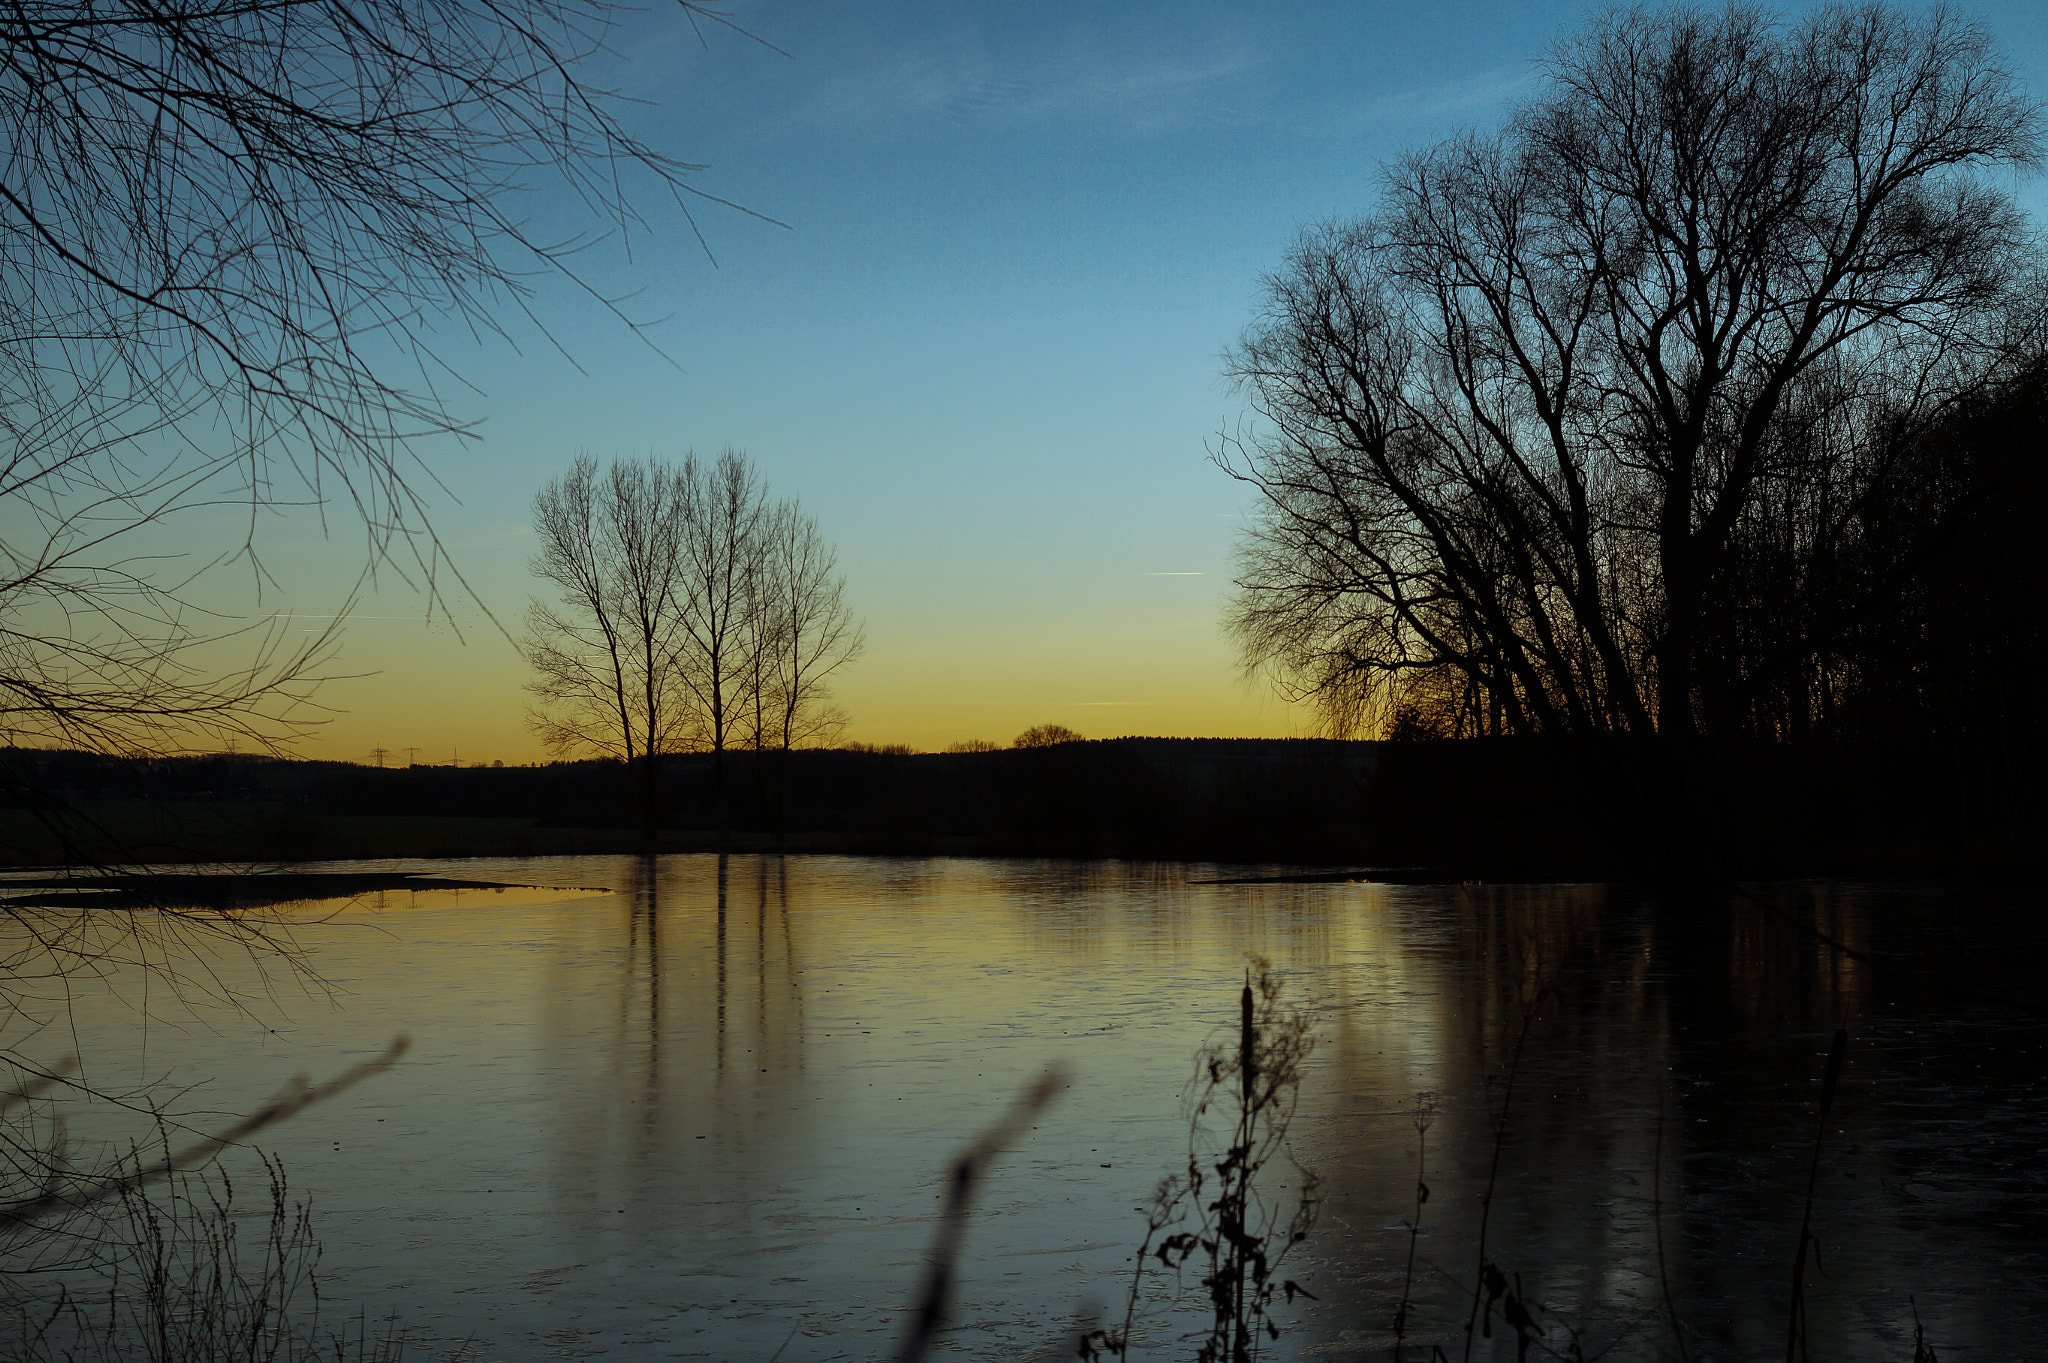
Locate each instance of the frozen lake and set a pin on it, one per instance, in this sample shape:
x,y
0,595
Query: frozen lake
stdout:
x,y
701,1108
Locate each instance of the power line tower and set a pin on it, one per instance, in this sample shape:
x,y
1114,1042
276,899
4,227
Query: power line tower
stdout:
x,y
412,757
378,755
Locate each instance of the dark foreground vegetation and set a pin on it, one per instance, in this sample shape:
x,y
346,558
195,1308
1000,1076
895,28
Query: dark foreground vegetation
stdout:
x,y
1489,809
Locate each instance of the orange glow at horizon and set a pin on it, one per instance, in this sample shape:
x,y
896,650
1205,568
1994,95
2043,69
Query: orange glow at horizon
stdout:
x,y
422,695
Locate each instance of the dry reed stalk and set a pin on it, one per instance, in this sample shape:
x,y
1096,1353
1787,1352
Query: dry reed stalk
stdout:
x,y
1923,1352
64,1195
1795,1315
1657,1227
1242,1240
1490,1285
963,1182
1425,1112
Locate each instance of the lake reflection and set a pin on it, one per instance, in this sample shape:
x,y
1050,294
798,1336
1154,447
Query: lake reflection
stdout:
x,y
705,1115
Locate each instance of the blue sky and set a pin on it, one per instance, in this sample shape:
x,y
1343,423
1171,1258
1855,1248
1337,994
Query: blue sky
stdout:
x,y
983,349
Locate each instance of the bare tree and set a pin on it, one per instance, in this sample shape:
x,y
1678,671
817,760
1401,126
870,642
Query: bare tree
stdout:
x,y
607,656
718,601
227,234
808,631
101,647
1521,421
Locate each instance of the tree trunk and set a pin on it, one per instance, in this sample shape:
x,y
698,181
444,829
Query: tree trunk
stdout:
x,y
649,804
718,812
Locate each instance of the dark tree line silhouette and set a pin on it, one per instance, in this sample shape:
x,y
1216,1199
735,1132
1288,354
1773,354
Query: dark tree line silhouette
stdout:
x,y
1932,606
1494,809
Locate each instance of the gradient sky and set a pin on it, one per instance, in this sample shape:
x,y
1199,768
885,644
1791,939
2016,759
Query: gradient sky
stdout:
x,y
983,351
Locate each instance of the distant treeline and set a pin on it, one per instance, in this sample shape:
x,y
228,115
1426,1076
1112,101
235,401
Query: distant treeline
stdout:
x,y
1491,809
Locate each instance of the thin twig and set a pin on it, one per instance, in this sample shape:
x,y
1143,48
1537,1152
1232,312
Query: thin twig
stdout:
x,y
963,1181
295,1097
1795,1316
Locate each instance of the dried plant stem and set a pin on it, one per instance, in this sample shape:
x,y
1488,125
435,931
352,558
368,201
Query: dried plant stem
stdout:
x,y
1488,1284
1795,1316
1424,1112
1657,1228
963,1181
1242,1239
295,1097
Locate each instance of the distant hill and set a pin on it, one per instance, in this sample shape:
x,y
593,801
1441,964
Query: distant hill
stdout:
x,y
1482,808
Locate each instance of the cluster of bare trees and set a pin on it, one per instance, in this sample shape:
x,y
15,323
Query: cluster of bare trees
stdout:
x,y
693,613
1037,736
1576,431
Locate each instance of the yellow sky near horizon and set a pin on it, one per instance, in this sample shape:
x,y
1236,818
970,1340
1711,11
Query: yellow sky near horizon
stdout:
x,y
422,694
977,626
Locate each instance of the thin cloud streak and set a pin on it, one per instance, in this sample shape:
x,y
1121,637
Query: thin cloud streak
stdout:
x,y
957,80
1464,99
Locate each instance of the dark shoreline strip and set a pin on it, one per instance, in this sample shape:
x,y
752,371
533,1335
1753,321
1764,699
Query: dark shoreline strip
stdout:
x,y
230,889
1365,875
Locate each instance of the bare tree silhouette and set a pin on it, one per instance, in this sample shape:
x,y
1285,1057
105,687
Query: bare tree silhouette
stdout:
x,y
1525,420
807,633
694,614
228,233
607,658
718,602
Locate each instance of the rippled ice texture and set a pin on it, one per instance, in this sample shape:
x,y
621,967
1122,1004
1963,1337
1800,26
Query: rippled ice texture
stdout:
x,y
706,1114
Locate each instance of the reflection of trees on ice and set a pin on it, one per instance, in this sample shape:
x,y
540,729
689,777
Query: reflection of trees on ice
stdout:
x,y
694,1055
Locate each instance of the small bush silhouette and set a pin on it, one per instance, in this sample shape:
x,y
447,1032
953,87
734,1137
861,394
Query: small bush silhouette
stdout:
x,y
1046,736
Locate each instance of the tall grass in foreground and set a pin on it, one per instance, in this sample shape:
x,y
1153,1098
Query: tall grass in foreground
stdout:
x,y
1214,1213
180,1272
148,1257
1214,1219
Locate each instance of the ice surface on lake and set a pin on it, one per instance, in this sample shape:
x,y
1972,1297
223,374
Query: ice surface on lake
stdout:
x,y
707,1114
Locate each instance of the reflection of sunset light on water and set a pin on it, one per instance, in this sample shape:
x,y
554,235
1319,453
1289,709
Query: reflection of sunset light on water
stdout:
x,y
716,1103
